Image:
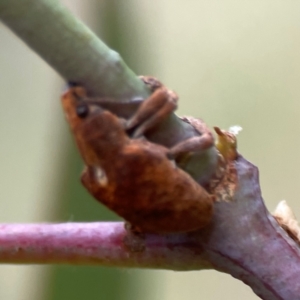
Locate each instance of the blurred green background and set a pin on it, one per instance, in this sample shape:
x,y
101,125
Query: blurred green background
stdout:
x,y
232,62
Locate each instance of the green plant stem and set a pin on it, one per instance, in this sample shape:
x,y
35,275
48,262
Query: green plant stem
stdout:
x,y
71,48
78,55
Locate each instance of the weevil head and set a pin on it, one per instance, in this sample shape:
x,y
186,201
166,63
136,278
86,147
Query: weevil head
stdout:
x,y
98,133
75,106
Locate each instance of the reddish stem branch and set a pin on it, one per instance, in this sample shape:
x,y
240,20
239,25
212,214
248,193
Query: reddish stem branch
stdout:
x,y
243,240
91,243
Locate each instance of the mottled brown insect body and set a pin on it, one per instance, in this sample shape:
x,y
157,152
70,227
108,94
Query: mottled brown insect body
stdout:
x,y
134,177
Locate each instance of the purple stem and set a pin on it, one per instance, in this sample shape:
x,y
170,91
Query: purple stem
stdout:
x,y
243,240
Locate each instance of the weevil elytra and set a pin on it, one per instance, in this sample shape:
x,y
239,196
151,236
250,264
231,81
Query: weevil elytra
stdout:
x,y
135,178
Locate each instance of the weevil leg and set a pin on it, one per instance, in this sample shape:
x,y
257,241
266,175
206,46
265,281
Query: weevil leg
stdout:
x,y
151,112
198,144
194,144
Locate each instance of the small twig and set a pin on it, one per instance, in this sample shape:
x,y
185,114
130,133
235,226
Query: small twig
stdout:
x,y
88,243
243,240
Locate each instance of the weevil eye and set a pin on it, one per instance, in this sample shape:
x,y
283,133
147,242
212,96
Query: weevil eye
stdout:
x,y
82,110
